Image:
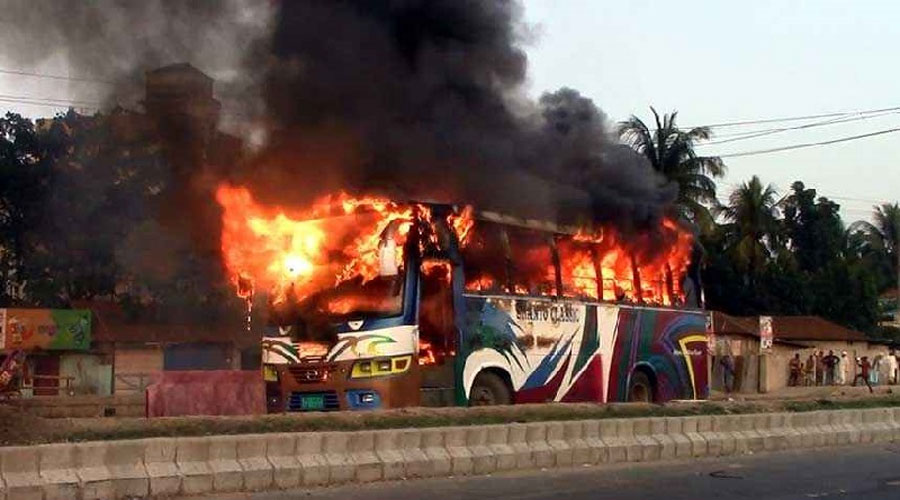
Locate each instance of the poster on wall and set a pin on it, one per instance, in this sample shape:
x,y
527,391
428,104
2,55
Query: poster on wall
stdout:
x,y
766,334
47,329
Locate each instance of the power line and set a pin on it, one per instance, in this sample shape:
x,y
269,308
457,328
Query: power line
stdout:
x,y
831,121
809,144
45,104
794,118
48,99
55,77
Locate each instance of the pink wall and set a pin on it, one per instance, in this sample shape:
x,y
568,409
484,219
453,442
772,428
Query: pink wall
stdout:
x,y
218,392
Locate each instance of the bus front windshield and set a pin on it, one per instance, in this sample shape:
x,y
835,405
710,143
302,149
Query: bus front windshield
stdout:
x,y
381,296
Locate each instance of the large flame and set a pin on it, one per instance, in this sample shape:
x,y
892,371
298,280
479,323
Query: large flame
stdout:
x,y
301,252
293,254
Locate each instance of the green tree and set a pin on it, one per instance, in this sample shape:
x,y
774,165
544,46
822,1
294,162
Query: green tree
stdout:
x,y
879,243
25,161
670,151
813,228
751,225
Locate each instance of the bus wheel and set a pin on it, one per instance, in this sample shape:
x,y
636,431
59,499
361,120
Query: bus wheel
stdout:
x,y
489,389
640,389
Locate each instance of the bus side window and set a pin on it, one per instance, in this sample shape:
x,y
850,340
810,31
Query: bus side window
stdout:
x,y
484,258
578,267
532,271
437,338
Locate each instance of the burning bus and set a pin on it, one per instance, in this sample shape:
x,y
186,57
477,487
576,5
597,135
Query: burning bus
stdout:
x,y
379,304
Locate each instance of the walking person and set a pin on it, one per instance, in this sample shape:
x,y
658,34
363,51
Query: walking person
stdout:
x,y
864,368
796,369
810,371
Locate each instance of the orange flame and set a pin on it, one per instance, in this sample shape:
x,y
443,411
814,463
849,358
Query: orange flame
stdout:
x,y
297,253
303,252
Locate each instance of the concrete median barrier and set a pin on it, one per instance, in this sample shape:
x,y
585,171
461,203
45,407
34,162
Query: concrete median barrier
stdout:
x,y
226,471
255,465
128,474
93,473
367,466
387,449
162,467
192,458
281,452
312,460
56,469
21,475
162,471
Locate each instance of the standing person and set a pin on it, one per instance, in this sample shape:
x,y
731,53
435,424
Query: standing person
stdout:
x,y
863,373
810,370
727,363
892,367
843,368
796,368
886,371
830,367
820,368
876,369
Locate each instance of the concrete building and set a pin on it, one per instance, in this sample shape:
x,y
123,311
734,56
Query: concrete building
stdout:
x,y
765,371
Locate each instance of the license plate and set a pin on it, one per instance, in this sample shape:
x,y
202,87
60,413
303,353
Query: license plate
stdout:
x,y
312,402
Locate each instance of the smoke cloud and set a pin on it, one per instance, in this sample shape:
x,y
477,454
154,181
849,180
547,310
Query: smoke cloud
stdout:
x,y
418,99
426,97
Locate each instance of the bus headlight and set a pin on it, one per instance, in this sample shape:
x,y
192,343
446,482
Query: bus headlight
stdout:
x,y
381,367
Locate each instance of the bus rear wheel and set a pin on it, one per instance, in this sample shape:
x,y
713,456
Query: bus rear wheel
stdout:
x,y
489,389
640,389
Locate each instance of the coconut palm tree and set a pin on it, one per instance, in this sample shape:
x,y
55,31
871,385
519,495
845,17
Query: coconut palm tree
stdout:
x,y
670,151
751,223
882,237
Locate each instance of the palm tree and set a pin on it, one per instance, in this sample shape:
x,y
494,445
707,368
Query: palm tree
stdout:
x,y
752,224
670,151
882,238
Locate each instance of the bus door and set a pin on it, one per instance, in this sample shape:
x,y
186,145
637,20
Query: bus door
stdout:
x,y
437,333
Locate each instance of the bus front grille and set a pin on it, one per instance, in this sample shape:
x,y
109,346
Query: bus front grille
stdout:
x,y
309,374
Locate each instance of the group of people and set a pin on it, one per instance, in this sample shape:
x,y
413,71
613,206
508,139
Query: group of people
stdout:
x,y
830,369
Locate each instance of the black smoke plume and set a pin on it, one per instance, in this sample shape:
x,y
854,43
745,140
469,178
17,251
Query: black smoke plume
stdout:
x,y
426,98
420,99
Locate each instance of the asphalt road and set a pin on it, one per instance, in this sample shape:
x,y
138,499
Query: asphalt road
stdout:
x,y
866,473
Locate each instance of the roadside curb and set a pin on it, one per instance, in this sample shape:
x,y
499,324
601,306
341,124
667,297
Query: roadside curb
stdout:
x,y
158,467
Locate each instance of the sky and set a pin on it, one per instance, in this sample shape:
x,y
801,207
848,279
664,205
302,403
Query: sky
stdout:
x,y
713,61
722,61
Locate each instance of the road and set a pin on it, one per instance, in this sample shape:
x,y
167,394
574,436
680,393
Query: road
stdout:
x,y
869,472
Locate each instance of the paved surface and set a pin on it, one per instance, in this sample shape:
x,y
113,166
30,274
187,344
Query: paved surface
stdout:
x,y
869,472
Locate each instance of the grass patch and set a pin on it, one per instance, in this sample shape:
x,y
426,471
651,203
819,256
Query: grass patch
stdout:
x,y
99,429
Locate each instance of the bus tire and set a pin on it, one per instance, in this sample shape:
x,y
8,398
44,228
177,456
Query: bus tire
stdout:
x,y
640,388
489,389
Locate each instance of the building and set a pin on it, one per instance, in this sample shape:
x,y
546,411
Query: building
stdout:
x,y
61,355
888,309
768,370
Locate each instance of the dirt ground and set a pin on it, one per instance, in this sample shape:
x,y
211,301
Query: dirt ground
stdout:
x,y
835,392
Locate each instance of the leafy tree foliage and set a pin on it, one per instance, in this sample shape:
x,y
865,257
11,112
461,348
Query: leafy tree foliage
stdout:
x,y
670,151
81,218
